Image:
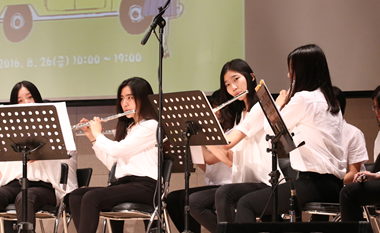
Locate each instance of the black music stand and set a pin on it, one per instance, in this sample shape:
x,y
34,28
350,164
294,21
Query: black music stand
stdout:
x,y
30,133
188,119
281,135
178,154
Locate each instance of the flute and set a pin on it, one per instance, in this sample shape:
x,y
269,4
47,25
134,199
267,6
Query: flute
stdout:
x,y
229,101
82,125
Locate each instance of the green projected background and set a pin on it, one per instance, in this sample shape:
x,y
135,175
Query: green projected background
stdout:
x,y
83,49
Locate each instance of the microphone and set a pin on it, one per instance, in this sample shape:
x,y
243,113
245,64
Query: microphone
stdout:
x,y
156,21
294,210
151,28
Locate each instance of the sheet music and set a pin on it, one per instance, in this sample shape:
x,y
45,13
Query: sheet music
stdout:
x,y
63,120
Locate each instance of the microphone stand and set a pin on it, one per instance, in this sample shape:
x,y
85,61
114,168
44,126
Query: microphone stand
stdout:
x,y
158,20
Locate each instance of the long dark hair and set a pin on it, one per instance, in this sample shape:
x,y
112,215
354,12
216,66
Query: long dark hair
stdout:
x,y
309,71
232,112
341,98
31,88
140,89
376,95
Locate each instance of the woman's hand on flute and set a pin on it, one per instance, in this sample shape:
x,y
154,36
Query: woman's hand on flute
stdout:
x,y
96,127
87,130
280,101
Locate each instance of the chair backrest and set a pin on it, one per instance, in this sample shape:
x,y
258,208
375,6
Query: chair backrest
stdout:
x,y
167,170
84,177
64,174
287,169
111,175
376,165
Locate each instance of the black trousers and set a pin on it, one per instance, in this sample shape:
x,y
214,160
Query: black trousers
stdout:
x,y
39,194
310,187
355,195
86,203
176,207
223,199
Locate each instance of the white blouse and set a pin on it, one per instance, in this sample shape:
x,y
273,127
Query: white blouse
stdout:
x,y
135,155
72,181
218,174
307,116
353,143
251,162
376,148
42,170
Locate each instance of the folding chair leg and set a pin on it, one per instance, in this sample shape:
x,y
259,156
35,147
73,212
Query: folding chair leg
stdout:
x,y
152,219
336,218
1,225
104,225
109,225
65,222
42,226
376,222
167,226
368,217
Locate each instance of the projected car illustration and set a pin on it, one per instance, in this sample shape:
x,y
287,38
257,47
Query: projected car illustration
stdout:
x,y
135,16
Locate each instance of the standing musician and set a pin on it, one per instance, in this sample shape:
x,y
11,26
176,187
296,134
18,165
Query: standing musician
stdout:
x,y
250,162
133,151
43,175
311,110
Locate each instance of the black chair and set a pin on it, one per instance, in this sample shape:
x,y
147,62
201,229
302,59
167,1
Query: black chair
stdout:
x,y
46,212
84,178
286,168
136,211
333,209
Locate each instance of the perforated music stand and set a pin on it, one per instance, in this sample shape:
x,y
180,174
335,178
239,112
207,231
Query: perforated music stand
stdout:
x,y
177,154
30,133
188,119
281,135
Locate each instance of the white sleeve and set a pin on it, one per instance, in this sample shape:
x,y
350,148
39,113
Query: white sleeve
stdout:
x,y
139,139
294,111
253,122
357,150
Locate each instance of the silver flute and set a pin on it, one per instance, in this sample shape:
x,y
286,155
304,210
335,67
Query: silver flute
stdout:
x,y
82,125
229,101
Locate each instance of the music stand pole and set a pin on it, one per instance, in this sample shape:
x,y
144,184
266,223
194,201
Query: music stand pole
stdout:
x,y
25,152
190,131
275,174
